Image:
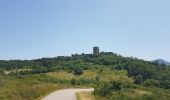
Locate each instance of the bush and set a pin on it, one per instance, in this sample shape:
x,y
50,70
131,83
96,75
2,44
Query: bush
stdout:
x,y
77,71
102,89
165,84
129,85
85,81
115,85
151,82
73,81
138,79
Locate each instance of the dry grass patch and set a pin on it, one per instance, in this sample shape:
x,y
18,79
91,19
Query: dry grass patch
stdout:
x,y
110,75
85,96
88,96
64,75
142,92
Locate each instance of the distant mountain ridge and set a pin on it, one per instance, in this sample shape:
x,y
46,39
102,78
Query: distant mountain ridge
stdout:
x,y
161,61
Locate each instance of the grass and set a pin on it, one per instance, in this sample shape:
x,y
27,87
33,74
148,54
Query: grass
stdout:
x,y
104,75
64,75
88,96
85,96
28,88
110,75
141,94
130,94
35,87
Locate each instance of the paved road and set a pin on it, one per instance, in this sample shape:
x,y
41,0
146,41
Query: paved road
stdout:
x,y
66,94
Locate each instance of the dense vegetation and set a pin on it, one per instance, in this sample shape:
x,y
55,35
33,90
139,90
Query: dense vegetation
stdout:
x,y
112,75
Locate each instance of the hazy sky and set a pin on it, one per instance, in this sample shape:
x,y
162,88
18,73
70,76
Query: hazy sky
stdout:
x,y
47,28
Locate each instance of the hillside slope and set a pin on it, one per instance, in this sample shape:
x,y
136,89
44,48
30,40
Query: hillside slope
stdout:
x,y
111,75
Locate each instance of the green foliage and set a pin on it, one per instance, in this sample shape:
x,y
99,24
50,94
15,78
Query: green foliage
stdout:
x,y
139,69
151,82
81,81
115,85
102,89
138,79
73,81
27,88
129,73
165,84
77,71
105,89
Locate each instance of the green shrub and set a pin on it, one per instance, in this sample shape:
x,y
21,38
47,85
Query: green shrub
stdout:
x,y
77,71
165,84
73,81
151,82
103,89
139,79
115,85
129,85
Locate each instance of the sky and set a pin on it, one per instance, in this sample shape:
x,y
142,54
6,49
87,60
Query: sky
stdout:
x,y
31,29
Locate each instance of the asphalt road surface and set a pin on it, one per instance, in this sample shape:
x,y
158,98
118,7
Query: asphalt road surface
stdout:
x,y
65,94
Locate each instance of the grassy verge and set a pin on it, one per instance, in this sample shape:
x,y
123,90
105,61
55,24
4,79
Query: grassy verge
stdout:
x,y
85,96
24,89
29,87
32,87
88,96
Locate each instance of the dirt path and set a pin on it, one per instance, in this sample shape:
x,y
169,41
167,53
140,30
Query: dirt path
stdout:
x,y
66,94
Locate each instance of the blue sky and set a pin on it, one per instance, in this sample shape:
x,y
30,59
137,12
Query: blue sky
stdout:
x,y
32,29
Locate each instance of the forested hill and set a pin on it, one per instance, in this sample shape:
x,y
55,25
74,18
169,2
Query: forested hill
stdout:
x,y
161,61
144,72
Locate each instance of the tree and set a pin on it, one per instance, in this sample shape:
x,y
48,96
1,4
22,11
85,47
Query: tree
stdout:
x,y
138,79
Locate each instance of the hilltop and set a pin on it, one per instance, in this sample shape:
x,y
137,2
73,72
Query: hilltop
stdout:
x,y
161,61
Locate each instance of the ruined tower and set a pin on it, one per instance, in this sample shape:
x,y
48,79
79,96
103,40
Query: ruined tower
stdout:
x,y
95,50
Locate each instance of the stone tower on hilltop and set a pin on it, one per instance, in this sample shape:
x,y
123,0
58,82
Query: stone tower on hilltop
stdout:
x,y
95,50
